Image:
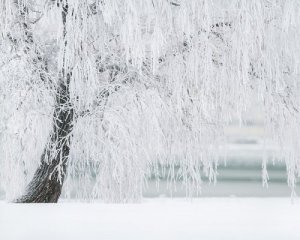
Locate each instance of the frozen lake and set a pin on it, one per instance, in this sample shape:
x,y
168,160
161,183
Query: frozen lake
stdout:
x,y
204,218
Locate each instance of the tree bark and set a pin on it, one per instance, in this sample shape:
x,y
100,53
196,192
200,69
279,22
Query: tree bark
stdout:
x,y
47,182
46,185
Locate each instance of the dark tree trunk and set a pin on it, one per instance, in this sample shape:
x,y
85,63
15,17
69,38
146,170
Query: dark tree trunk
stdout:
x,y
46,185
47,182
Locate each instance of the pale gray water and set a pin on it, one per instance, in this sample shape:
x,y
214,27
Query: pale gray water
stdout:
x,y
241,179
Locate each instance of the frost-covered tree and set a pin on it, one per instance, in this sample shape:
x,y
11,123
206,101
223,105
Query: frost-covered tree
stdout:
x,y
117,90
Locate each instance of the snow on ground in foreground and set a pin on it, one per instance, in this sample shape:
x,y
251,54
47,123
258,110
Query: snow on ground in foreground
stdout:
x,y
206,218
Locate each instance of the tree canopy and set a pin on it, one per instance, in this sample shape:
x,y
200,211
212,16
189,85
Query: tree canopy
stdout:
x,y
151,86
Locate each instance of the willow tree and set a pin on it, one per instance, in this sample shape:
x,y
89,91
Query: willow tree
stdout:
x,y
117,90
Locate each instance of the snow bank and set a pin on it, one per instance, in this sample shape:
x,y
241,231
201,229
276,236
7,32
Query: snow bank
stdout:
x,y
206,218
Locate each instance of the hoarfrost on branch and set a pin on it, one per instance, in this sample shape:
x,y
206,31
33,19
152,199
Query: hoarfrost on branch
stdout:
x,y
153,85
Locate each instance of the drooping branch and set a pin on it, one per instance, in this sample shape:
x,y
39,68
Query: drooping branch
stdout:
x,y
29,47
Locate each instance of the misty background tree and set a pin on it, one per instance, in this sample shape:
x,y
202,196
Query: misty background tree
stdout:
x,y
118,91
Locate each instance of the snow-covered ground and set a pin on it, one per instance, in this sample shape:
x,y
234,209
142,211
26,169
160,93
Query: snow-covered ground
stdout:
x,y
199,219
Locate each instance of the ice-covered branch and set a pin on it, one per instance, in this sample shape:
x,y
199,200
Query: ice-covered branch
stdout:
x,y
143,86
